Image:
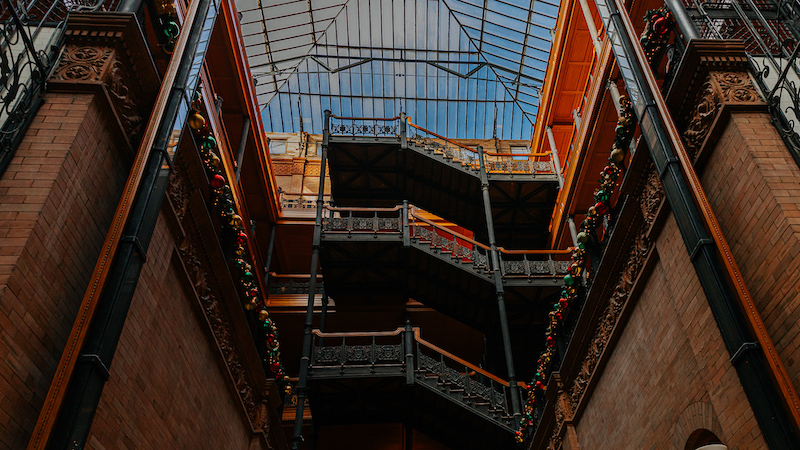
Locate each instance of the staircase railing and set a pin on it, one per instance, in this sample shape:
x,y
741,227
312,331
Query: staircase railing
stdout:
x,y
402,222
398,127
386,352
513,263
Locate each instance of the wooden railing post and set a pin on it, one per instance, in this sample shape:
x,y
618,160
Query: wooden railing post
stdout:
x,y
406,231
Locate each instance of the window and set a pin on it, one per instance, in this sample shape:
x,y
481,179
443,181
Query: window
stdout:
x,y
522,151
277,146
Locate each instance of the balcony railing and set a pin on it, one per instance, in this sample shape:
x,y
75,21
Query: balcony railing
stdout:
x,y
771,35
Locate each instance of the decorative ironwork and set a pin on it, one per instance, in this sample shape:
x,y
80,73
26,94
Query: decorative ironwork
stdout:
x,y
351,129
770,36
327,354
292,287
30,38
355,221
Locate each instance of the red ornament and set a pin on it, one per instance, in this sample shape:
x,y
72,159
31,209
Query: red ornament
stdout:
x,y
563,302
661,26
241,238
253,292
540,385
217,181
600,208
551,341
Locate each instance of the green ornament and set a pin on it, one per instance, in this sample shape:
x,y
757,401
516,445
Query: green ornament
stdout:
x,y
171,29
247,276
569,280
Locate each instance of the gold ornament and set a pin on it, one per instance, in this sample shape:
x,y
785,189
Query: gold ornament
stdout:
x,y
263,315
617,155
196,121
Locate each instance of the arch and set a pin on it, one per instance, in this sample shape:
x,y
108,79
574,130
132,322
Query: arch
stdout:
x,y
696,418
703,439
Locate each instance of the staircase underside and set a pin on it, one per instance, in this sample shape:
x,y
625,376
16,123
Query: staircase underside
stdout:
x,y
375,172
366,274
423,406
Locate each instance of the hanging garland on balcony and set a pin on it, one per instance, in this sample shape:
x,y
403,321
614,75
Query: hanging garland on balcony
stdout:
x,y
655,37
168,25
602,196
222,199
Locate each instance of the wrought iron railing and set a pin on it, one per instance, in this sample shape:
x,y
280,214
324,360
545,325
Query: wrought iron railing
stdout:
x,y
281,284
300,201
512,163
363,220
31,36
364,126
771,35
403,352
430,142
513,263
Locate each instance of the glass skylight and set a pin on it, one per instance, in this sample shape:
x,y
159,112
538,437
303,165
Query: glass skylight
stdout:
x,y
465,69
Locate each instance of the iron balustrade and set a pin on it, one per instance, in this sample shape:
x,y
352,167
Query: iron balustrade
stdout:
x,y
362,220
299,201
343,355
280,284
364,126
513,263
450,150
770,32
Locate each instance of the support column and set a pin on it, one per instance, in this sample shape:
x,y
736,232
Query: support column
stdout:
x,y
554,156
683,20
498,282
302,383
587,15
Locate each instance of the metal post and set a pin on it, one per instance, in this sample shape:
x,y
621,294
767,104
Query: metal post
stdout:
x,y
408,343
573,230
243,145
682,19
554,155
615,95
576,118
129,6
270,249
403,131
498,282
406,231
302,383
587,15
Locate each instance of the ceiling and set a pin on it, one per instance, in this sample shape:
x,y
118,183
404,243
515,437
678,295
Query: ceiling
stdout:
x,y
462,68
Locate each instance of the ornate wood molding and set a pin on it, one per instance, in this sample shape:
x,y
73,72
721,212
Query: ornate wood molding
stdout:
x,y
206,282
107,51
713,78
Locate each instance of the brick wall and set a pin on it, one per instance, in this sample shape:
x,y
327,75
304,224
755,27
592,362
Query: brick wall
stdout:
x,y
56,202
669,363
753,184
167,388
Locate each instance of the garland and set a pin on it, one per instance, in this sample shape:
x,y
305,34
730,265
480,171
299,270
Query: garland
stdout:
x,y
655,37
602,196
222,199
168,24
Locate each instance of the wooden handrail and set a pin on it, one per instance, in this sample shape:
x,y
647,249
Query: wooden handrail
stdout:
x,y
341,209
384,119
455,358
486,152
292,275
565,251
741,292
442,137
347,334
42,432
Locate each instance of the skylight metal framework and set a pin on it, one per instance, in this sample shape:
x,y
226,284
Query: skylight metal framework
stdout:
x,y
463,68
